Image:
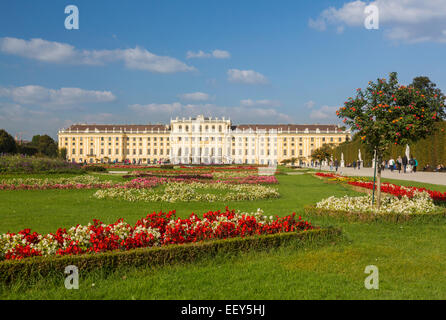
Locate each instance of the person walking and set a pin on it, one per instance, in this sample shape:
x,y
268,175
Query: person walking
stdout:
x,y
415,164
411,163
336,164
359,164
392,164
404,161
399,162
354,164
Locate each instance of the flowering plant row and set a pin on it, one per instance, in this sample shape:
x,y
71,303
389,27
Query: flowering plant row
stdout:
x,y
145,181
191,191
156,229
80,182
400,191
420,203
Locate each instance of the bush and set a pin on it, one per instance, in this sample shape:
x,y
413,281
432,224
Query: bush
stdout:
x,y
26,164
93,168
11,270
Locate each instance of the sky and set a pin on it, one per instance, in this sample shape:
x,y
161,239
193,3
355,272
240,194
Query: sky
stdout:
x,y
253,61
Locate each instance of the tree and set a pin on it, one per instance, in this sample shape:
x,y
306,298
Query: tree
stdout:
x,y
45,145
7,142
321,154
429,89
63,153
293,160
387,113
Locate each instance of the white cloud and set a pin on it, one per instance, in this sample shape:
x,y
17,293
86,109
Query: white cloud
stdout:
x,y
156,108
162,112
246,76
56,52
324,113
259,103
221,54
217,54
310,104
195,96
401,20
20,121
38,95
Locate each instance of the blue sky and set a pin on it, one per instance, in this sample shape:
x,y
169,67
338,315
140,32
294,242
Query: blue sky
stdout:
x,y
253,61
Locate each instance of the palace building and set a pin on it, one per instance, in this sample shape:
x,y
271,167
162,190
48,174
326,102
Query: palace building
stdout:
x,y
199,140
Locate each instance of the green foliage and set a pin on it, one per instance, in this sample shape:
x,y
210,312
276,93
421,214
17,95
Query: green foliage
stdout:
x,y
63,153
323,153
7,142
11,271
94,168
26,164
26,149
45,145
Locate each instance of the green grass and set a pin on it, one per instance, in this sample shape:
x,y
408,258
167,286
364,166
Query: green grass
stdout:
x,y
410,256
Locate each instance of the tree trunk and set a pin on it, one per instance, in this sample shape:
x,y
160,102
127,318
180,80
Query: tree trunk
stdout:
x,y
378,186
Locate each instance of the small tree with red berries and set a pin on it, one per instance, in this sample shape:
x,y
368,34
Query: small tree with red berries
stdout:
x,y
387,113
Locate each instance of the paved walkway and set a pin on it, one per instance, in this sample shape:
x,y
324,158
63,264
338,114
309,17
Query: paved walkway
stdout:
x,y
425,177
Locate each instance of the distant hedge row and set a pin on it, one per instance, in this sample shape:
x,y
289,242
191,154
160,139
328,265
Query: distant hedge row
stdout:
x,y
33,268
430,151
28,164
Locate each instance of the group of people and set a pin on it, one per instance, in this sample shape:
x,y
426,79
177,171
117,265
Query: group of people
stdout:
x,y
439,168
401,163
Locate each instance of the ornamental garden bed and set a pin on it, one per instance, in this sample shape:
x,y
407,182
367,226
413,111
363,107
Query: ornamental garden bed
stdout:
x,y
39,267
156,229
357,216
159,238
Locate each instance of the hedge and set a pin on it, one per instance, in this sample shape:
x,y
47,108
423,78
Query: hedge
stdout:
x,y
351,216
30,268
431,150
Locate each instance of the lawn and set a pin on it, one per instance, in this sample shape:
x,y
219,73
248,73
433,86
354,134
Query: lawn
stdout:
x,y
410,256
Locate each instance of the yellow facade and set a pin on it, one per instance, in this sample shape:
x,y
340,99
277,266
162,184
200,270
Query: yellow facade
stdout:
x,y
196,140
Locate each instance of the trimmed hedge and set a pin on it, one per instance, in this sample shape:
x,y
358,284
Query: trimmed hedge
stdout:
x,y
370,217
431,150
12,270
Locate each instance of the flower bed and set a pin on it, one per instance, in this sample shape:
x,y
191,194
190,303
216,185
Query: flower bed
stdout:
x,y
390,188
400,191
350,215
420,203
191,191
156,229
25,269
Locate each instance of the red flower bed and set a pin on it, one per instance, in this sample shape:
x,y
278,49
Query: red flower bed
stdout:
x,y
156,229
400,191
326,175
